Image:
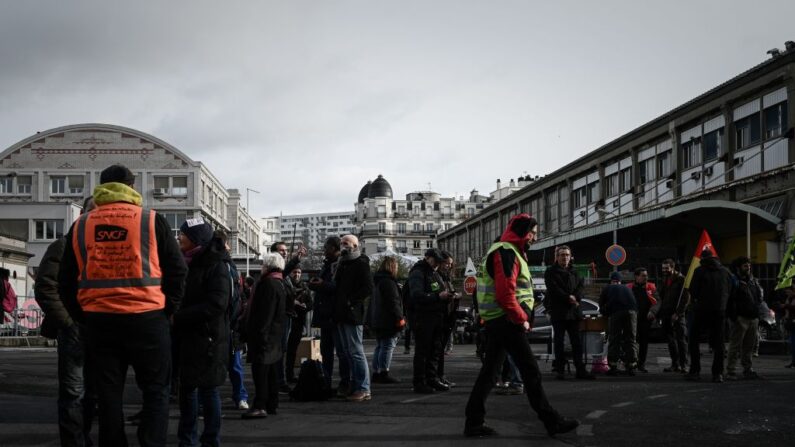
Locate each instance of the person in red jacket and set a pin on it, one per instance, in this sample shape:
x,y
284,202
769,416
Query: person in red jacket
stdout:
x,y
646,296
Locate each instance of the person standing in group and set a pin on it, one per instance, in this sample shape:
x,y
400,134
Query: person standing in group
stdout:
x,y
429,301
122,274
564,293
710,289
646,298
289,265
323,318
618,304
263,333
202,325
505,302
353,283
670,309
302,304
448,325
385,318
743,312
76,391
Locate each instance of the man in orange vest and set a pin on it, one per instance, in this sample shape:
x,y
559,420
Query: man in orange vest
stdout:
x,y
122,274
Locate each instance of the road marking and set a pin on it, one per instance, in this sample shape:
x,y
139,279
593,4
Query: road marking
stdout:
x,y
657,396
623,404
416,399
585,430
595,414
698,390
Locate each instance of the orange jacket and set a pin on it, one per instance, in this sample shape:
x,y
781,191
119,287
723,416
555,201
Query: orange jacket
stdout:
x,y
116,251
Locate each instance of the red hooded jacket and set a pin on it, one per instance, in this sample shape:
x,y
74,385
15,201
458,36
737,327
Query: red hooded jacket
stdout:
x,y
504,267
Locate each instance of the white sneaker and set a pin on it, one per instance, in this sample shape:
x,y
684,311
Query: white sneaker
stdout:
x,y
243,405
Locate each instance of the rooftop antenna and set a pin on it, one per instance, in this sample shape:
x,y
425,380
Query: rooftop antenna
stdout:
x,y
429,186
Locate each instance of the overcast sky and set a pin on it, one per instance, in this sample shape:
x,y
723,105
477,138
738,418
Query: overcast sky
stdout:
x,y
307,100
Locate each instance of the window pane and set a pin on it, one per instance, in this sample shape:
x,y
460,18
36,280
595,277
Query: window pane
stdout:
x,y
57,185
161,182
6,185
712,144
24,183
775,120
180,182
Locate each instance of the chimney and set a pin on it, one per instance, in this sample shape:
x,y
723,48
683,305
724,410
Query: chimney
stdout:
x,y
789,45
499,184
512,184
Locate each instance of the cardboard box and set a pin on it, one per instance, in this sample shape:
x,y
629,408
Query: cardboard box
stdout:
x,y
308,348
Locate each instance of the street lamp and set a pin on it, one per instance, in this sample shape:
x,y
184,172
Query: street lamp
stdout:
x,y
248,242
603,212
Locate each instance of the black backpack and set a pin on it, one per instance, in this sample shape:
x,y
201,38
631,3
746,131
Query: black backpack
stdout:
x,y
311,384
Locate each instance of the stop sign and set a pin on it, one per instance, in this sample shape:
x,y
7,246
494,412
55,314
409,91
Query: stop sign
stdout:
x,y
470,284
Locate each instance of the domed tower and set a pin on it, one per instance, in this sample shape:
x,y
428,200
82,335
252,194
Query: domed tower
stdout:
x,y
365,192
380,188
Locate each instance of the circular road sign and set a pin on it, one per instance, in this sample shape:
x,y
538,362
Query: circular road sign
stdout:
x,y
470,285
616,255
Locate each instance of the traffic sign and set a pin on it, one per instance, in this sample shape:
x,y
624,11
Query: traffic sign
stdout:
x,y
470,269
470,285
616,255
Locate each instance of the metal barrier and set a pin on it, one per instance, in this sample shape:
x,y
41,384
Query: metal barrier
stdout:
x,y
24,321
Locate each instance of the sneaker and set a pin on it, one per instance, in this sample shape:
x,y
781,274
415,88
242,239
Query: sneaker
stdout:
x,y
421,388
447,382
731,376
672,369
242,405
359,396
254,413
512,390
562,425
387,379
438,385
479,431
642,368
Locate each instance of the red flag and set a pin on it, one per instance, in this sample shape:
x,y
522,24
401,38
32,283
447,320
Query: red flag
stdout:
x,y
703,243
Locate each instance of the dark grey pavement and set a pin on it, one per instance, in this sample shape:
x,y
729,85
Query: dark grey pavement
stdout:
x,y
655,409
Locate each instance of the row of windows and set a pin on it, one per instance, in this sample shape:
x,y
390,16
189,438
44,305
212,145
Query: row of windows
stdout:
x,y
401,244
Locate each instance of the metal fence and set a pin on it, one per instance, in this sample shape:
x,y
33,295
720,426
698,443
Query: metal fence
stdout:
x,y
24,321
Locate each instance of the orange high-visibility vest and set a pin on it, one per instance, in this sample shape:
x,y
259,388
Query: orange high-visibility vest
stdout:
x,y
119,269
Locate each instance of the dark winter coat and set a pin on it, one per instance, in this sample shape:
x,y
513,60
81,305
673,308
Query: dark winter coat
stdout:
x,y
323,310
265,320
386,308
710,287
672,299
561,283
202,322
353,284
745,298
425,285
616,298
302,302
46,291
645,296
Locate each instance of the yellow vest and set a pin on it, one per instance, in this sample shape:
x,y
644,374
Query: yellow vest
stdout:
x,y
487,299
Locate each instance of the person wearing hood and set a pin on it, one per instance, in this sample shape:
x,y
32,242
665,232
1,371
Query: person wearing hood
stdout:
x,y
202,325
564,293
429,300
385,318
264,320
122,275
505,301
710,289
353,284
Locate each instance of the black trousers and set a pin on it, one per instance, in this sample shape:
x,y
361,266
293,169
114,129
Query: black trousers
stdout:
x,y
266,387
561,328
447,334
713,323
504,336
428,334
643,329
142,341
296,332
674,332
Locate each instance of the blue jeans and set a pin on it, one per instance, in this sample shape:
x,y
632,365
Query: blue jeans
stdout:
x,y
329,342
382,356
239,392
189,413
288,324
353,349
516,378
76,400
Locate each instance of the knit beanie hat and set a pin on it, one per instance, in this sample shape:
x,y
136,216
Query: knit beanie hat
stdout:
x,y
198,231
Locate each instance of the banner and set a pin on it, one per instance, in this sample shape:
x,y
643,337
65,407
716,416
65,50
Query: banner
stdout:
x,y
787,271
703,243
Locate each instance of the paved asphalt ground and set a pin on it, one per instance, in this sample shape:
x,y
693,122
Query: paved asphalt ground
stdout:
x,y
654,409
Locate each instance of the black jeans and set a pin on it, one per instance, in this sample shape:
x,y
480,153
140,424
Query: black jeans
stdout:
x,y
674,332
428,329
446,336
296,332
142,341
644,326
266,387
561,328
504,336
76,391
713,323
